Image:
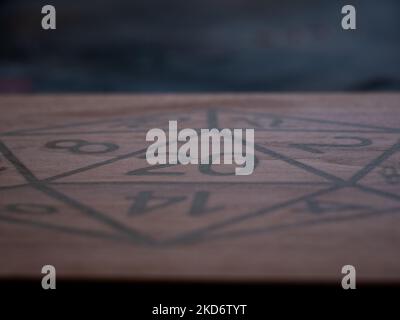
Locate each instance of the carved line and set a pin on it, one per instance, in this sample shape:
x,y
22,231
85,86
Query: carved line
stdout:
x,y
46,189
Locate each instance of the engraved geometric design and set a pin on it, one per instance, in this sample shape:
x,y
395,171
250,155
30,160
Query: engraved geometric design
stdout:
x,y
297,174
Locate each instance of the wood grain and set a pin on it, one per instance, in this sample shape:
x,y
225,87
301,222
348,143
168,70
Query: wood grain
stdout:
x,y
325,192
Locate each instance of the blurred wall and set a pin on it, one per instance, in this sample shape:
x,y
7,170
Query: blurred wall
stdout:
x,y
197,46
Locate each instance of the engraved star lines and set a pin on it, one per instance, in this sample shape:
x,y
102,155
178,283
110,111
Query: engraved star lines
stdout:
x,y
92,179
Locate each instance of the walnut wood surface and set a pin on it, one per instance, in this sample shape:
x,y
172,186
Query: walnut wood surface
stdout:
x,y
325,192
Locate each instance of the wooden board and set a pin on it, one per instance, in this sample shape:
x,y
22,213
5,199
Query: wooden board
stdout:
x,y
325,191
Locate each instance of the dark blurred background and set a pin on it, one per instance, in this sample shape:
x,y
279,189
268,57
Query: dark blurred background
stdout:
x,y
199,46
